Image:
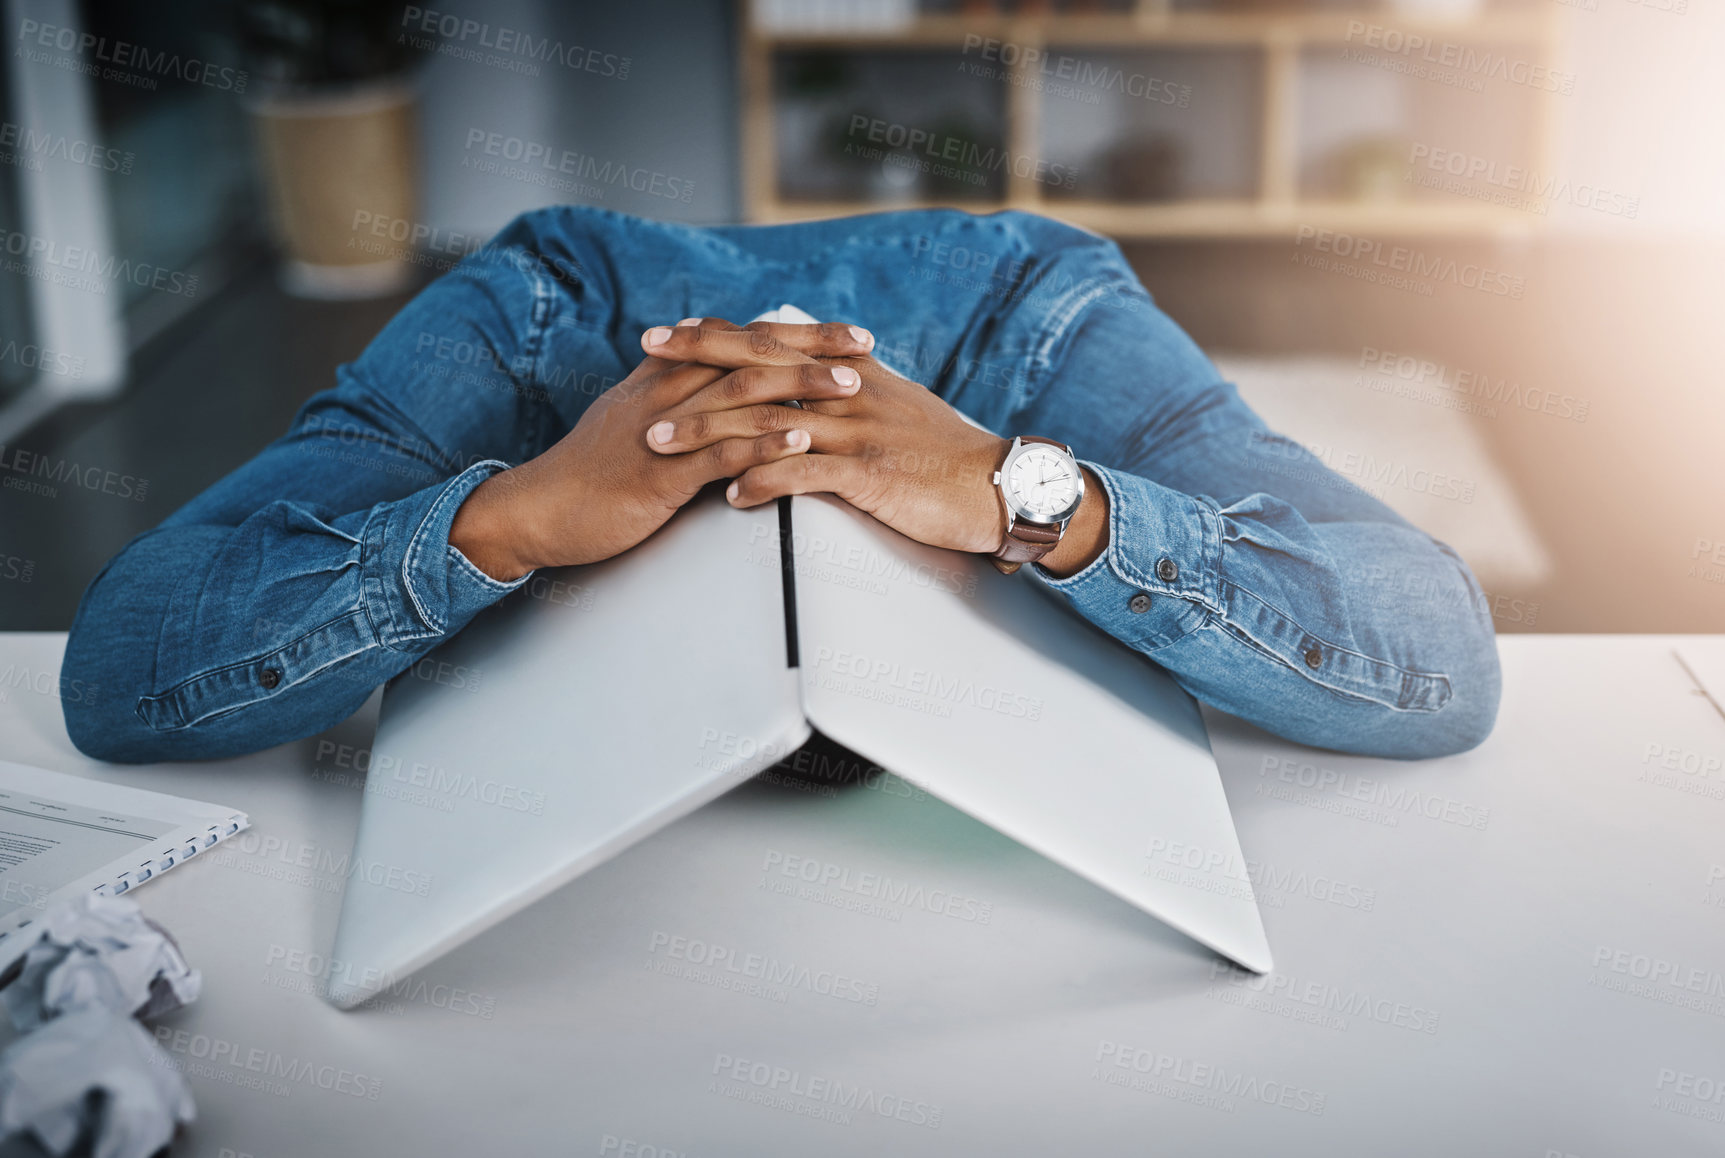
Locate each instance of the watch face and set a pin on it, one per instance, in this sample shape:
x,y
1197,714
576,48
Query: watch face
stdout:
x,y
1042,485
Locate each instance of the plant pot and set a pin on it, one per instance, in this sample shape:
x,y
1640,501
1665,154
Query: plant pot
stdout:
x,y
339,170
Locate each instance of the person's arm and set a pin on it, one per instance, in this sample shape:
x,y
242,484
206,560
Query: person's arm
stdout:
x,y
1267,584
271,606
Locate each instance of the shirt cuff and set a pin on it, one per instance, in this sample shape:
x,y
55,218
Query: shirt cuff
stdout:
x,y
1159,578
418,586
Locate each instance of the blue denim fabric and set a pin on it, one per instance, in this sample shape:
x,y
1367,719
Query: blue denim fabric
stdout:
x,y
270,606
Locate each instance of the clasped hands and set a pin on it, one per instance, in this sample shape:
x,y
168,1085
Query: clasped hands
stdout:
x,y
707,403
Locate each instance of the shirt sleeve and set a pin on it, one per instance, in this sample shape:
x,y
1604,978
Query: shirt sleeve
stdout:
x,y
273,604
1157,596
1265,583
392,591
438,585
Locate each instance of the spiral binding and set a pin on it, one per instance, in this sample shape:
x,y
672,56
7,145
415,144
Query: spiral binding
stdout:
x,y
171,857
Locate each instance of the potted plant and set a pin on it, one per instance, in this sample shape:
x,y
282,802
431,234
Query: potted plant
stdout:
x,y
334,108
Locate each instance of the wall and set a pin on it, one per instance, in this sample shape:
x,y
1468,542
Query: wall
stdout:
x,y
648,100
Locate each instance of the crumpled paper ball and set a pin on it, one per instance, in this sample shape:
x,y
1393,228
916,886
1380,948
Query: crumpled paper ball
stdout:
x,y
73,980
93,1072
93,951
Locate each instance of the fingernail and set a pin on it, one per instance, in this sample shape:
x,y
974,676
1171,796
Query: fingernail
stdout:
x,y
658,335
660,432
731,491
798,439
862,336
690,322
846,377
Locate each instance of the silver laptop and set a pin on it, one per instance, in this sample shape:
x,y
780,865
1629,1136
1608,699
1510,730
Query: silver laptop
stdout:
x,y
598,704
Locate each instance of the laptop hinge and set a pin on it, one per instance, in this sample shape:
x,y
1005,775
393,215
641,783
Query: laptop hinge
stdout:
x,y
788,580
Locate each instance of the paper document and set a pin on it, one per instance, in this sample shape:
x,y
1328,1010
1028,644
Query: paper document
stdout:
x,y
60,835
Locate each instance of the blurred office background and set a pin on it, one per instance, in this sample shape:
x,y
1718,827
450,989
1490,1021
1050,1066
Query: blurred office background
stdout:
x,y
1467,250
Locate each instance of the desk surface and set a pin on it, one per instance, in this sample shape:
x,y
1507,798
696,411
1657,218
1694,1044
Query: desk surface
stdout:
x,y
1520,950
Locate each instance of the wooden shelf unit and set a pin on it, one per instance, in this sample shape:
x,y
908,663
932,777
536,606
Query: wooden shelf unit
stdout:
x,y
1280,37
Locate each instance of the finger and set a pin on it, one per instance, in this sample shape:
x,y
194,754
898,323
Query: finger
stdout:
x,y
689,376
753,385
878,383
819,339
733,348
704,427
816,339
734,456
668,383
659,362
837,474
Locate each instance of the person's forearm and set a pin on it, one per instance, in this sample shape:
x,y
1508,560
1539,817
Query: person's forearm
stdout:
x,y
1247,608
1267,584
276,601
206,641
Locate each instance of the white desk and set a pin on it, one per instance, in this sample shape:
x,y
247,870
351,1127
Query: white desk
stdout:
x,y
1487,1002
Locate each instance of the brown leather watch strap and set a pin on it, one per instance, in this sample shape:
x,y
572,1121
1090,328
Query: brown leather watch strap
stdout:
x,y
1028,542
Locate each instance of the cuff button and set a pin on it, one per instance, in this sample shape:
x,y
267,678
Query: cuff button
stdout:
x,y
1167,570
270,677
1139,603
1314,657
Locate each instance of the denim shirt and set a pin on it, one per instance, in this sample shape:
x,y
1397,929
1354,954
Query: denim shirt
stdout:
x,y
273,604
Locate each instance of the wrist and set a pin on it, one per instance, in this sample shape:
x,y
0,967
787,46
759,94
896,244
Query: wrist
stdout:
x,y
489,529
1086,534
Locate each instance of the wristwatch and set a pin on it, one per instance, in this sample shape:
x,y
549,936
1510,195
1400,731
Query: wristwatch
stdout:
x,y
1041,485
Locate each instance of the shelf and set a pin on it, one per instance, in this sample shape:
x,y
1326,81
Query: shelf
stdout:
x,y
1151,29
1271,207
1208,219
